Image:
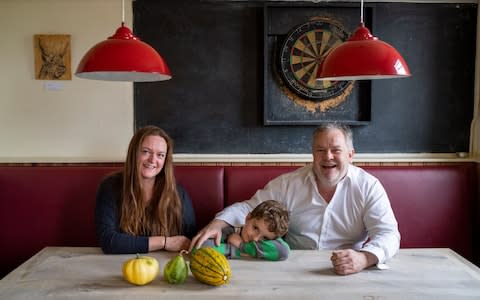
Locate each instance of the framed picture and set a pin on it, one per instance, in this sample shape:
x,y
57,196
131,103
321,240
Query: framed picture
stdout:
x,y
296,38
52,56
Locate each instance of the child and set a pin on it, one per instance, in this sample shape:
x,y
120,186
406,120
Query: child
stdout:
x,y
260,237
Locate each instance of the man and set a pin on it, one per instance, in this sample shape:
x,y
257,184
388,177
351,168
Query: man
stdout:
x,y
332,203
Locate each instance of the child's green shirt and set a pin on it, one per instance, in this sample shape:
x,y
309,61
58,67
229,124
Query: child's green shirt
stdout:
x,y
276,249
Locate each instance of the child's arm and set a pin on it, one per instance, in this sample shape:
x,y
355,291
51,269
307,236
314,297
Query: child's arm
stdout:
x,y
222,248
276,249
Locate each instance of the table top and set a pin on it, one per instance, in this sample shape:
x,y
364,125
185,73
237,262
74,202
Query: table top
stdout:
x,y
87,273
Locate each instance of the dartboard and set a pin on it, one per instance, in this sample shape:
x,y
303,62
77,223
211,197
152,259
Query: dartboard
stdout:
x,y
301,53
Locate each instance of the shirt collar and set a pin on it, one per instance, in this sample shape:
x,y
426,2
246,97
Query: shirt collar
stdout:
x,y
310,175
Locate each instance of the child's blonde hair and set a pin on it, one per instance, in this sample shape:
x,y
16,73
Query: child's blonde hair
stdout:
x,y
274,214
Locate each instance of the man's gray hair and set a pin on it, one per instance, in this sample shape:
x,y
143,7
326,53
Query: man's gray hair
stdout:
x,y
345,129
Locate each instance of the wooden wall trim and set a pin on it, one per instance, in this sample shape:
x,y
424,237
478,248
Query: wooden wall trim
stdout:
x,y
288,159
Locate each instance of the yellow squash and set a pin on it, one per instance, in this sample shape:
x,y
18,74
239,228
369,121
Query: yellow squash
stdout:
x,y
140,270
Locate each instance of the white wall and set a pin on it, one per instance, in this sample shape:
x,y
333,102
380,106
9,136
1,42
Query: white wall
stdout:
x,y
87,120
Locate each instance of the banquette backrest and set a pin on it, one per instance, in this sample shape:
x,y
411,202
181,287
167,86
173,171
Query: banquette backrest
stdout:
x,y
205,185
53,205
434,205
241,183
46,205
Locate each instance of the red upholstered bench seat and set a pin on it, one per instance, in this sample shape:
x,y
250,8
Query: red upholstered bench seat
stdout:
x,y
54,205
433,205
44,205
205,187
241,183
436,206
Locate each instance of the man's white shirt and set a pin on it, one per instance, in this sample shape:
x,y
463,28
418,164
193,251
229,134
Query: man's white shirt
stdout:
x,y
359,216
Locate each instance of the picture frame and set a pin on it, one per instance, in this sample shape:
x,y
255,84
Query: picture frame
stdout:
x,y
52,54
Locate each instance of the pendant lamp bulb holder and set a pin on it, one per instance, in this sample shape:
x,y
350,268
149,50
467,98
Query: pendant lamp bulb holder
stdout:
x,y
123,57
362,57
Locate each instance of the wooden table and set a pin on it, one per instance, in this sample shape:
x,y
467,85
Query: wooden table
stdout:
x,y
86,273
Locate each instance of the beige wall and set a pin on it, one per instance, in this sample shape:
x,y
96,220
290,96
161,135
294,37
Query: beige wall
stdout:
x,y
86,120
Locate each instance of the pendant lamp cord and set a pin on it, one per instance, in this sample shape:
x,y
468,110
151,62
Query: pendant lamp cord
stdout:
x,y
123,12
361,11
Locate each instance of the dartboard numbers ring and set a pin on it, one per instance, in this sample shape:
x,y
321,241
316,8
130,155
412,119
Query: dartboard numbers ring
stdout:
x,y
301,53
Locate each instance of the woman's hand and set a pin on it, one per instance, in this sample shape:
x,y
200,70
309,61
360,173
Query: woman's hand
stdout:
x,y
212,230
176,243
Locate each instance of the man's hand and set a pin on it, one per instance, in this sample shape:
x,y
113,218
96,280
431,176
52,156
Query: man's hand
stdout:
x,y
212,230
349,261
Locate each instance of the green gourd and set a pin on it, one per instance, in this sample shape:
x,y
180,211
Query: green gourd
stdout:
x,y
176,269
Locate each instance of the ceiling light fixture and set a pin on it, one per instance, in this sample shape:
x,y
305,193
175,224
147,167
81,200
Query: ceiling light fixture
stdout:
x,y
362,57
123,57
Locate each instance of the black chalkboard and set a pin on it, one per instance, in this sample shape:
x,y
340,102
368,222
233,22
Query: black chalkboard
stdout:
x,y
214,102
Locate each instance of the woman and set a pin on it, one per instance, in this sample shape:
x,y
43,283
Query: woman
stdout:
x,y
141,208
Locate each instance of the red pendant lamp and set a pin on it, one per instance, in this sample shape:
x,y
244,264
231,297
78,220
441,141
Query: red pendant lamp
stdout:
x,y
123,57
362,57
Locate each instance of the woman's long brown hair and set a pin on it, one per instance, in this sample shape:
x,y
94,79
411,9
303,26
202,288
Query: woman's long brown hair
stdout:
x,y
163,214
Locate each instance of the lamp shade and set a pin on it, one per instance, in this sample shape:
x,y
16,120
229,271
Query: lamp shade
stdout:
x,y
362,56
123,57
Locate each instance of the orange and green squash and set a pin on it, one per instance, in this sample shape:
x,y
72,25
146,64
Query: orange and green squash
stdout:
x,y
210,266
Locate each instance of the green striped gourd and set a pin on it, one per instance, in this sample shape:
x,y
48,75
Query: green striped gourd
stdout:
x,y
210,266
176,270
